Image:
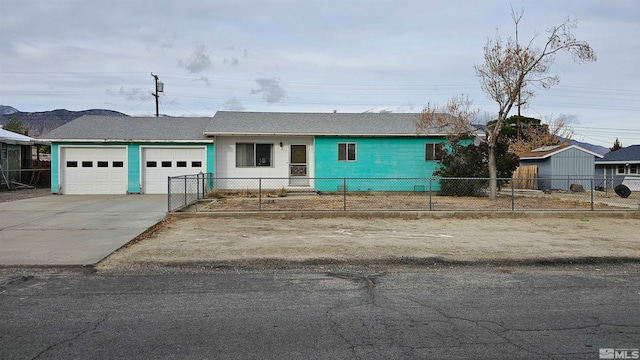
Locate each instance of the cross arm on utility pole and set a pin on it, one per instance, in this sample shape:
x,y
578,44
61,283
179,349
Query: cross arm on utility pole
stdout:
x,y
159,89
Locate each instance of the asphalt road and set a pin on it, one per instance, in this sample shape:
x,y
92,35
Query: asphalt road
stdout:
x,y
436,313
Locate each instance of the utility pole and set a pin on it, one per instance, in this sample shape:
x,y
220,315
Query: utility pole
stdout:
x,y
159,89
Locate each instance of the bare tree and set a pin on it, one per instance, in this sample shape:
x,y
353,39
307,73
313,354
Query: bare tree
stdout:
x,y
453,119
511,71
555,132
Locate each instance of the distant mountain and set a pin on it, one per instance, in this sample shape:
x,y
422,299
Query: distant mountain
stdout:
x,y
595,148
387,110
45,121
7,110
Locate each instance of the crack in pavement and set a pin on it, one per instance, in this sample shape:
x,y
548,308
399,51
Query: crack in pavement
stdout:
x,y
369,280
370,283
478,323
95,326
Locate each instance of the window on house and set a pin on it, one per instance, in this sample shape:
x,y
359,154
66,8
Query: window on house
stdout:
x,y
103,164
181,164
633,169
434,151
72,164
263,154
166,164
152,164
117,164
620,169
346,151
87,164
196,164
250,154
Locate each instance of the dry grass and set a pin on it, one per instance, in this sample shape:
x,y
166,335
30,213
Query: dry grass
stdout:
x,y
273,201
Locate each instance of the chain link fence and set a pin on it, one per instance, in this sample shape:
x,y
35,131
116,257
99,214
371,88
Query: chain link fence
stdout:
x,y
204,193
188,190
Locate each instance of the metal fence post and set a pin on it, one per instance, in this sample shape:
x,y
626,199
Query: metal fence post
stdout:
x,y
204,192
198,187
168,193
259,194
513,195
185,191
344,194
430,194
591,194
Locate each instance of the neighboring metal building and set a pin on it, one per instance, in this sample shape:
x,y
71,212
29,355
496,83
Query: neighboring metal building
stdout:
x,y
15,156
559,166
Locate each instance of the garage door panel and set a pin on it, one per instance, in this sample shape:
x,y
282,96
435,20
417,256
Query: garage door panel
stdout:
x,y
160,163
91,170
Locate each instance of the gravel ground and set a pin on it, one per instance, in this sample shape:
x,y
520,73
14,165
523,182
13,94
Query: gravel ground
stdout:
x,y
19,194
260,242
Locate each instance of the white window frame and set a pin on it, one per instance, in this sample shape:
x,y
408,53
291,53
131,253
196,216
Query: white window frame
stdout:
x,y
633,169
620,167
347,146
254,160
436,154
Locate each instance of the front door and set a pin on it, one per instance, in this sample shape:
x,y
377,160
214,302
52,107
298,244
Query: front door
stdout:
x,y
298,174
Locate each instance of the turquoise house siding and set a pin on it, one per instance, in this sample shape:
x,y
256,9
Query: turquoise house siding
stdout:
x,y
133,160
211,162
55,178
376,157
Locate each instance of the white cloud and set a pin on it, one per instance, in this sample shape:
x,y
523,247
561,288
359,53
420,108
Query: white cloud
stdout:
x,y
132,94
198,62
271,90
233,104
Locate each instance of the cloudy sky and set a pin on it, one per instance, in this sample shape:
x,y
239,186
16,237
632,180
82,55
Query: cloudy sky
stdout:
x,y
309,56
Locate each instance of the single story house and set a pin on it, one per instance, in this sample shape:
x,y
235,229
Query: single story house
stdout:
x,y
315,151
620,166
559,166
15,156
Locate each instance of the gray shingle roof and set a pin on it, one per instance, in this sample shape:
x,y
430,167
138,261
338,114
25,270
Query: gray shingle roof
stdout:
x,y
546,151
342,124
124,128
628,154
91,127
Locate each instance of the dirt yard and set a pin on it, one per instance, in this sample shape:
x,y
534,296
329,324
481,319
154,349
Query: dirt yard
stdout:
x,y
262,240
523,200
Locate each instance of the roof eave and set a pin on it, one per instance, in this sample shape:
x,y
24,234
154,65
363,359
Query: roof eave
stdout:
x,y
22,142
217,133
129,140
616,162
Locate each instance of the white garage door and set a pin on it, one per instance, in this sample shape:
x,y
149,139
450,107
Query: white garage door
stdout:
x,y
93,170
160,163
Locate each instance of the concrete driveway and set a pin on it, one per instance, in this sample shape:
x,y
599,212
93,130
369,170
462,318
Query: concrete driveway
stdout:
x,y
73,229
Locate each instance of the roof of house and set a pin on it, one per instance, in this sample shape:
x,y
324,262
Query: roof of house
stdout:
x,y
181,129
125,128
629,154
547,151
340,124
9,137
